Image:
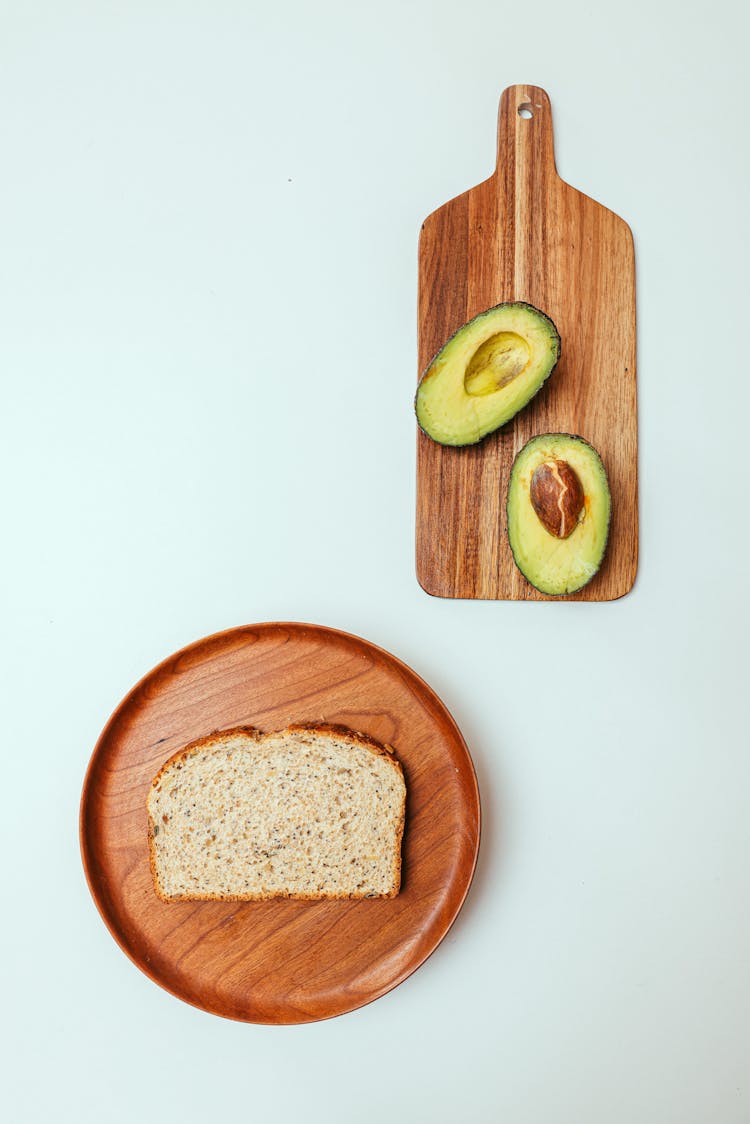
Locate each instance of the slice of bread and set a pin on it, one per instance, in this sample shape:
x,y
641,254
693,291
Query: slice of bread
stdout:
x,y
306,812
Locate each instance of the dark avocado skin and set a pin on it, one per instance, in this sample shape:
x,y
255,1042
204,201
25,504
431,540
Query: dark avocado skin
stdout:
x,y
526,307
590,449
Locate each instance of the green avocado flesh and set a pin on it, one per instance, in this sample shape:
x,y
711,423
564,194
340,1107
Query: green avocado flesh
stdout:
x,y
557,566
486,373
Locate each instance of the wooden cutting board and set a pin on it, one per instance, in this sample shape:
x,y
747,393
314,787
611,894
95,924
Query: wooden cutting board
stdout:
x,y
523,234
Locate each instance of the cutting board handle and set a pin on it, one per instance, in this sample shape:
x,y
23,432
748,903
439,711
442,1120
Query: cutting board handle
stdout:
x,y
524,131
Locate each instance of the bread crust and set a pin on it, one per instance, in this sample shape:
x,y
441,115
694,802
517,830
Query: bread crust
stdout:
x,y
217,737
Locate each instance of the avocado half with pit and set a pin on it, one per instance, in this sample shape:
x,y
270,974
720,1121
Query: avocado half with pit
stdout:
x,y
486,373
558,512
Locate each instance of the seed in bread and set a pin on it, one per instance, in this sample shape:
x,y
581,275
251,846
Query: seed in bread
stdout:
x,y
306,812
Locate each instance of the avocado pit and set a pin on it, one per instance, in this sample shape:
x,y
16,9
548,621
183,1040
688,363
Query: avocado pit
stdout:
x,y
557,497
496,363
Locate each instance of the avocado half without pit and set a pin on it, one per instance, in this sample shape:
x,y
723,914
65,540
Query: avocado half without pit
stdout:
x,y
486,373
558,512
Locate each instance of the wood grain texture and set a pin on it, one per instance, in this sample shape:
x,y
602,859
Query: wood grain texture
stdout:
x,y
526,235
281,961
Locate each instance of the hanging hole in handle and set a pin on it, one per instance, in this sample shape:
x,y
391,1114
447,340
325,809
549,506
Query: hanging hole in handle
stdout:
x,y
526,111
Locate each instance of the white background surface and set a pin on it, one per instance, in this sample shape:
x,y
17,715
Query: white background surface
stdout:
x,y
210,215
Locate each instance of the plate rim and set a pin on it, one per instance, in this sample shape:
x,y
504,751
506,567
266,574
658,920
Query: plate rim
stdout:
x,y
87,851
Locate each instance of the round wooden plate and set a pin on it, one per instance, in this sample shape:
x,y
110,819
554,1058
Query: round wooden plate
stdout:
x,y
281,961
